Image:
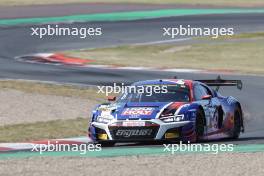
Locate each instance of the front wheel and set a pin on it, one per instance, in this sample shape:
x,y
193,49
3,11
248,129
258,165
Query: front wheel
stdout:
x,y
107,143
199,125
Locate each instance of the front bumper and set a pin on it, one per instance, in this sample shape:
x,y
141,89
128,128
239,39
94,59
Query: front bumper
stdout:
x,y
152,130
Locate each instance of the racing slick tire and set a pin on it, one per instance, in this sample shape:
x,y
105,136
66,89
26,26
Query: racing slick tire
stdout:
x,y
199,125
237,123
220,117
107,143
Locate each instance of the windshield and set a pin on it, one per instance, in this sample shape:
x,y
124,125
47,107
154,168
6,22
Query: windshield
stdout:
x,y
173,93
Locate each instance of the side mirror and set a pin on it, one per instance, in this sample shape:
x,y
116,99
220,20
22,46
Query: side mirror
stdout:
x,y
207,97
111,98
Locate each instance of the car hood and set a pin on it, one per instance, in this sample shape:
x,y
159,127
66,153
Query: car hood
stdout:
x,y
134,111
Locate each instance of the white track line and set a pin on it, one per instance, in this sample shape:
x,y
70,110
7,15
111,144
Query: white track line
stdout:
x,y
50,82
30,145
163,41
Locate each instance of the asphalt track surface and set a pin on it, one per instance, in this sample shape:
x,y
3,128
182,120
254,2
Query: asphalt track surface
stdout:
x,y
16,41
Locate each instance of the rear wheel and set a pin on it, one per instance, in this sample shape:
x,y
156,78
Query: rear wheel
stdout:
x,y
199,125
237,123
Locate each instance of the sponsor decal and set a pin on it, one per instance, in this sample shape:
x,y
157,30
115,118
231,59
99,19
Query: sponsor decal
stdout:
x,y
106,112
134,116
180,81
133,123
138,111
133,132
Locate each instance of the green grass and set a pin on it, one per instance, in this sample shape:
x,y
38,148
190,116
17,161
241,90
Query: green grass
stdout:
x,y
243,56
257,35
43,130
51,129
240,3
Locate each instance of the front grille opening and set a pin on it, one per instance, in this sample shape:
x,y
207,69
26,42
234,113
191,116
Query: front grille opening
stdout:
x,y
134,133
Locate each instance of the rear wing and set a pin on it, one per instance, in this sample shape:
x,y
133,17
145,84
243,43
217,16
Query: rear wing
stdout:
x,y
218,82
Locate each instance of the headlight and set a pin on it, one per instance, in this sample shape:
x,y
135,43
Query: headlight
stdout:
x,y
172,118
104,119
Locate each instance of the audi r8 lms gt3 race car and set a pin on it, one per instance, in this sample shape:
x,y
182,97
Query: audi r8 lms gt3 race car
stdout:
x,y
188,111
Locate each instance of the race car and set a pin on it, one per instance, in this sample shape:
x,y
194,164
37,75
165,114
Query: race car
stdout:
x,y
188,111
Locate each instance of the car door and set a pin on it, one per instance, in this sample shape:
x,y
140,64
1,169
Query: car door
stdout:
x,y
209,105
215,105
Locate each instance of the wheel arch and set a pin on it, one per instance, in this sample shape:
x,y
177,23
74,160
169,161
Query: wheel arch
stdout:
x,y
196,107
